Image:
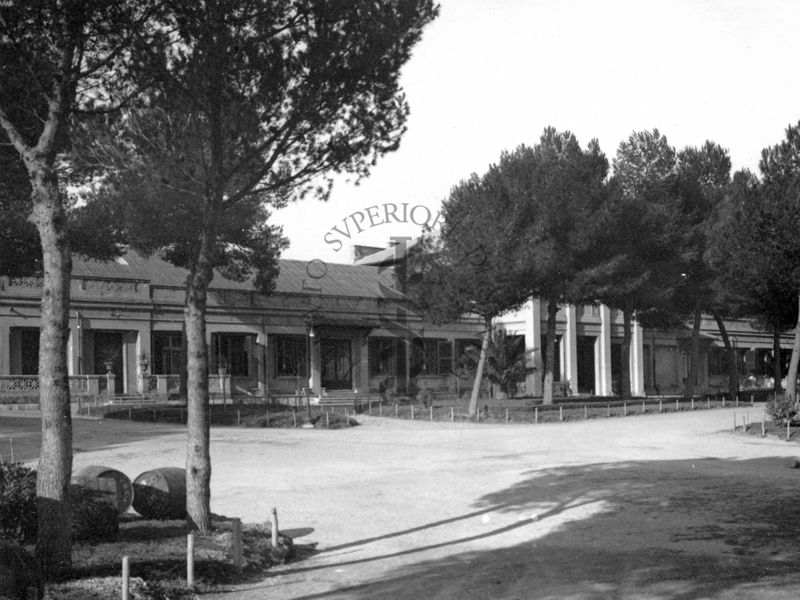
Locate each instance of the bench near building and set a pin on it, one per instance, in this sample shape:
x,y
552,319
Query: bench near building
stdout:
x,y
347,321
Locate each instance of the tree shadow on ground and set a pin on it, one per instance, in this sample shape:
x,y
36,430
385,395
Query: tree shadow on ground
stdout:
x,y
699,528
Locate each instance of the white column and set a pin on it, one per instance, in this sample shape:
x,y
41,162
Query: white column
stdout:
x,y
602,355
570,344
636,364
533,344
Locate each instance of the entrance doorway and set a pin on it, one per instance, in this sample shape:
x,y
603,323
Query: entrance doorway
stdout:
x,y
108,349
336,362
586,364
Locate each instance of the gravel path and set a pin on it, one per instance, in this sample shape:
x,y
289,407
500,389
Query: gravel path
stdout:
x,y
659,506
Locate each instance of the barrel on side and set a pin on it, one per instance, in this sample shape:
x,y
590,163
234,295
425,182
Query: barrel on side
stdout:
x,y
107,485
161,493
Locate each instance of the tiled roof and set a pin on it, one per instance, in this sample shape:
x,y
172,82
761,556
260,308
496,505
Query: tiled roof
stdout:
x,y
296,276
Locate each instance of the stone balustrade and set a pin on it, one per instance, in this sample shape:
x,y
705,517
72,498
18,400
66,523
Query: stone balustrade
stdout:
x,y
79,385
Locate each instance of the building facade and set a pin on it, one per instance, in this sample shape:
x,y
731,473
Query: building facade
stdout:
x,y
327,327
331,327
589,352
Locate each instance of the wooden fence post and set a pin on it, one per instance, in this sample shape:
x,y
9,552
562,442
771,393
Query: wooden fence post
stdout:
x,y
190,560
274,528
237,544
126,578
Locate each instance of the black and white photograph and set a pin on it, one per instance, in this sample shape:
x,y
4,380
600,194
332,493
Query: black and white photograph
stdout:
x,y
399,299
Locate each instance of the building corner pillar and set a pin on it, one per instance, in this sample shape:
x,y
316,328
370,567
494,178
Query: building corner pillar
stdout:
x,y
570,340
636,359
533,345
603,378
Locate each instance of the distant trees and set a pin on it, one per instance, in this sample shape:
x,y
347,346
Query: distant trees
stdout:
x,y
521,229
661,240
703,179
638,232
559,188
475,264
756,248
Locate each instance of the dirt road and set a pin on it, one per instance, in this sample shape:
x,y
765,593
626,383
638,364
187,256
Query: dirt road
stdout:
x,y
660,506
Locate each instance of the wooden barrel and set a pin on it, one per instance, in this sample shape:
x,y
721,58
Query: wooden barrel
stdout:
x,y
161,493
106,484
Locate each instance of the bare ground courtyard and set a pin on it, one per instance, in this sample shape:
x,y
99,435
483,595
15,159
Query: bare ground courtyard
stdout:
x,y
659,506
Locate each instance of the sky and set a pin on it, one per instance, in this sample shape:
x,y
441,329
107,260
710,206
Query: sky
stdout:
x,y
489,75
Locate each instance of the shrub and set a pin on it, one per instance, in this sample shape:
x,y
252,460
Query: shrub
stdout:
x,y
17,572
506,361
93,519
18,516
781,409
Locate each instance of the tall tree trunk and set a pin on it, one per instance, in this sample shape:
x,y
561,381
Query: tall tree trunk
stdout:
x,y
54,545
791,376
691,379
198,442
476,385
777,373
627,328
198,454
733,360
550,352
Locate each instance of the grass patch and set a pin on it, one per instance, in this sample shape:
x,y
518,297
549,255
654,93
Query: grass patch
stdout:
x,y
241,415
507,411
773,430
